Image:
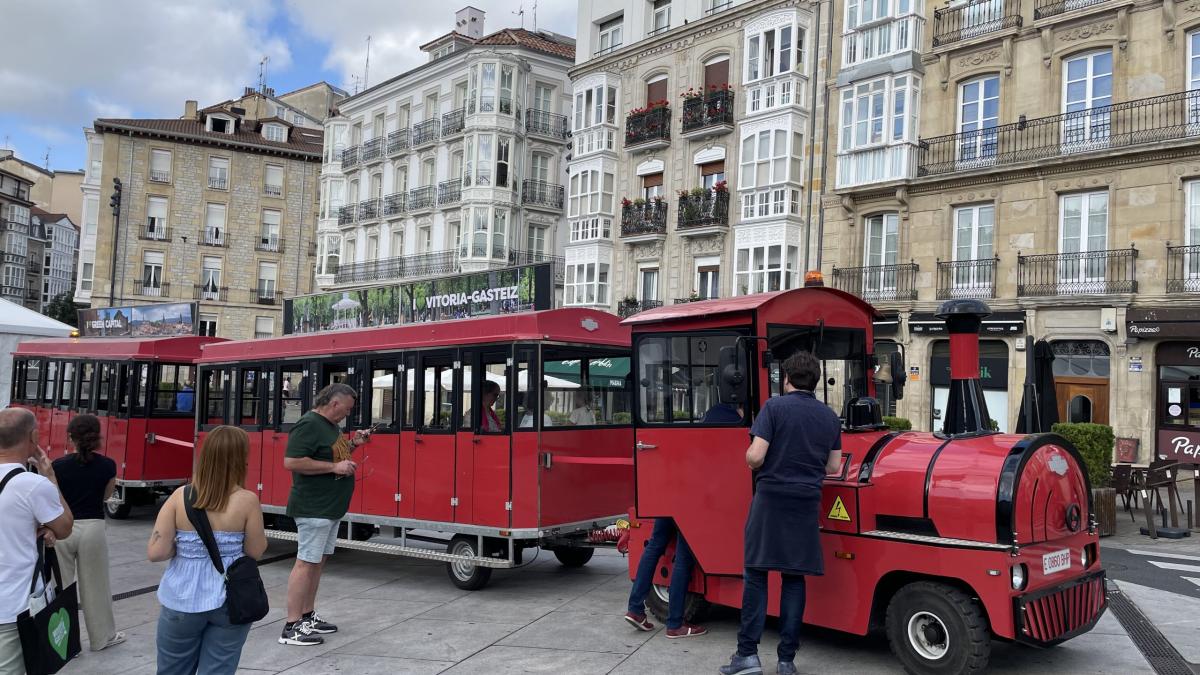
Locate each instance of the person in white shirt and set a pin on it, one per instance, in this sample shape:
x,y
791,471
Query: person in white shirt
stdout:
x,y
582,413
32,507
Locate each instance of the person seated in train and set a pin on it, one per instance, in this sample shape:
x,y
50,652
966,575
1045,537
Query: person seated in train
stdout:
x,y
185,398
531,408
724,413
489,421
582,413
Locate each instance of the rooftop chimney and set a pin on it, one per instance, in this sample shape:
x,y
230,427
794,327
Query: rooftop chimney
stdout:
x,y
189,110
966,409
469,21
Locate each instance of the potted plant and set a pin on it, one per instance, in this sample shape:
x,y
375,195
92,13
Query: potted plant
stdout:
x,y
1095,444
625,203
639,202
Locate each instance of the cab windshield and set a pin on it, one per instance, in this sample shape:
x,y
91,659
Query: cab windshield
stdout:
x,y
841,351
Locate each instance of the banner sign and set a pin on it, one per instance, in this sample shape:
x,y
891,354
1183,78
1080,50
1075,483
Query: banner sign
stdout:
x,y
998,323
160,320
502,291
1181,446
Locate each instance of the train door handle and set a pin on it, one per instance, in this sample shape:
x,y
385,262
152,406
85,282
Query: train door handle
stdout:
x,y
644,446
475,439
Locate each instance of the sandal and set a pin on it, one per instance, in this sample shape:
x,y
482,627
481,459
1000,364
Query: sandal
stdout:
x,y
113,641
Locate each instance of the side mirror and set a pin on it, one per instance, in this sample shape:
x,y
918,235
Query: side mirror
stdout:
x,y
732,385
899,374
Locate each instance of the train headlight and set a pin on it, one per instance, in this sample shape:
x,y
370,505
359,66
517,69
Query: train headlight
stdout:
x,y
1020,576
1083,557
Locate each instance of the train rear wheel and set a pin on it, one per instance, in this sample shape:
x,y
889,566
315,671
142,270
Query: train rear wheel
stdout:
x,y
466,575
694,606
571,556
935,628
117,511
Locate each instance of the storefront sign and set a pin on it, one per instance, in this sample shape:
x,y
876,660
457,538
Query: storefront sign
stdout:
x,y
993,372
161,320
1163,323
1127,450
1181,446
886,326
999,323
502,291
1135,364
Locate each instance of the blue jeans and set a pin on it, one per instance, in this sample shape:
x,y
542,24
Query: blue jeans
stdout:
x,y
681,573
754,613
201,642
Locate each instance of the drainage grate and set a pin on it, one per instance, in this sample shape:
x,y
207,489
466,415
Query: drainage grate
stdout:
x,y
1149,641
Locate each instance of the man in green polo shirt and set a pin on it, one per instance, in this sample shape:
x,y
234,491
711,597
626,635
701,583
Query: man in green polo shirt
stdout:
x,y
318,455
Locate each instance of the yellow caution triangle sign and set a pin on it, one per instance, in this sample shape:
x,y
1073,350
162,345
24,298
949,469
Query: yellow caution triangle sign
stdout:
x,y
838,512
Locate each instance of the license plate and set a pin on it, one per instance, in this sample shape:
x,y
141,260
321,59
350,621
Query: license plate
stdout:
x,y
1056,561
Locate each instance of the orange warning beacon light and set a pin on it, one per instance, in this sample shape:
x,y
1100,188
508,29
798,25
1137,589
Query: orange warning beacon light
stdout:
x,y
813,278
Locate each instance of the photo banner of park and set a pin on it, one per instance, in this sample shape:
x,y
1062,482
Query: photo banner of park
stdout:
x,y
509,290
160,320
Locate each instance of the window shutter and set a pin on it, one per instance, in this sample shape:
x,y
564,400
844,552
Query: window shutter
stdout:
x,y
656,91
652,180
716,74
712,168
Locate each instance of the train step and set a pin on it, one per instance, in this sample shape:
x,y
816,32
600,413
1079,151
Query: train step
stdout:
x,y
402,551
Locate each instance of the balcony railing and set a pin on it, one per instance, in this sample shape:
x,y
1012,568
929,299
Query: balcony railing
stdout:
x,y
718,6
973,19
155,231
267,295
271,243
1183,269
368,209
399,267
152,289
1083,273
14,291
13,258
218,182
425,132
454,122
1047,8
395,204
449,192
704,210
540,193
160,176
397,142
273,190
713,110
546,124
372,150
422,198
346,214
967,279
628,309
650,126
210,293
350,157
212,236
1155,119
878,283
648,218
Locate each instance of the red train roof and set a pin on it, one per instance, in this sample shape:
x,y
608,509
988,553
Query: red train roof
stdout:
x,y
556,325
812,295
184,348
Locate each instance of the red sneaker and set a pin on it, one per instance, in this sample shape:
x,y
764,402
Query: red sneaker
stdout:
x,y
639,621
687,630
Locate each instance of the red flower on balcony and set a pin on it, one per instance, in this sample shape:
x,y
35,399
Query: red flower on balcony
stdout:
x,y
720,186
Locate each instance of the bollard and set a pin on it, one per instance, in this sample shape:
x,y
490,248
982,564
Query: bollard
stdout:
x,y
1191,525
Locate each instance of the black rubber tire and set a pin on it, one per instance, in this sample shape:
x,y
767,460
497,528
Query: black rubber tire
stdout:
x,y
571,556
117,511
695,607
465,575
962,620
357,531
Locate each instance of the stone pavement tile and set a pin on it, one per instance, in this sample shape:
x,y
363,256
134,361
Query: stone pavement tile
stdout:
x,y
1176,616
493,608
431,640
610,597
414,589
498,660
357,664
579,631
1096,653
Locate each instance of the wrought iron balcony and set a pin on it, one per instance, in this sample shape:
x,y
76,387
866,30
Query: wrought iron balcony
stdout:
x,y
212,236
425,132
399,267
218,182
454,122
397,142
12,291
718,6
518,257
152,289
368,209
643,219
1157,119
705,209
1183,269
449,192
708,114
350,157
210,292
346,214
372,150
422,198
1048,8
541,193
967,278
155,230
395,204
270,243
13,258
648,129
973,19
1083,273
627,309
267,295
878,283
160,176
545,123
273,190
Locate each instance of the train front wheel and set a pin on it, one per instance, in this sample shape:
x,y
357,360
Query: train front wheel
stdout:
x,y
935,628
658,603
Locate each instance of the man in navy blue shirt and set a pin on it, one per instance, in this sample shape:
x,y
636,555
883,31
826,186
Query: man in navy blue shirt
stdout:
x,y
796,442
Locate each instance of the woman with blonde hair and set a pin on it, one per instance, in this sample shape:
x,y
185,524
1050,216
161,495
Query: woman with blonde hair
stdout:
x,y
194,631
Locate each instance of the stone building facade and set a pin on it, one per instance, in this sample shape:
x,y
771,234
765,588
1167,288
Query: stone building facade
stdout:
x,y
55,191
215,209
15,204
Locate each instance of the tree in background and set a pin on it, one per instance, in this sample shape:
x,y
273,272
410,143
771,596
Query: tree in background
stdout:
x,y
62,308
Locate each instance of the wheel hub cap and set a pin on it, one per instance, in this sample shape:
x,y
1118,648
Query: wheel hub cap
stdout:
x,y
928,637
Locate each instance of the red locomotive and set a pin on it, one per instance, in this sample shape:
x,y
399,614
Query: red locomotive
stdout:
x,y
946,540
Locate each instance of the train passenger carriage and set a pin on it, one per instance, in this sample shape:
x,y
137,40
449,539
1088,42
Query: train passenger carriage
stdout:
x,y
142,389
550,464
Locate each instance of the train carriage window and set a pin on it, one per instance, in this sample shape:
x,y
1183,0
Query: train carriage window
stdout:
x,y
87,373
841,351
141,385
678,381
213,391
341,373
17,384
438,383
292,385
104,387
411,418
384,392
495,374
123,384
51,389
487,412
469,411
269,398
174,390
586,387
249,397
33,371
66,396
524,404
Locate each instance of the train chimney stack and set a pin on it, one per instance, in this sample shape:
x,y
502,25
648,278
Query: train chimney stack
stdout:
x,y
966,409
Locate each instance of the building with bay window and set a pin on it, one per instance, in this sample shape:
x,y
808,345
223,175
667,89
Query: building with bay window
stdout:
x,y
456,165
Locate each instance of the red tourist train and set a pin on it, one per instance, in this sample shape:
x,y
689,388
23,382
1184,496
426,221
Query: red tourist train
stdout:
x,y
142,389
556,467
945,540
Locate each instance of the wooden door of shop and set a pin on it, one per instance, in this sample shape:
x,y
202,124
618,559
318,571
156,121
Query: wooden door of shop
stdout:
x,y
1085,399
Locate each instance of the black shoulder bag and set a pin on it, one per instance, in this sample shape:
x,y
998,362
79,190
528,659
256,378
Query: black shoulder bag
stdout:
x,y
245,596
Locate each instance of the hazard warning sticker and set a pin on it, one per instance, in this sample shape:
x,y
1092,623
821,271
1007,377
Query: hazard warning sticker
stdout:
x,y
838,512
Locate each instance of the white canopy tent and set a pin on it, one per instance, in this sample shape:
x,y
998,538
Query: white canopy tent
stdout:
x,y
17,324
385,381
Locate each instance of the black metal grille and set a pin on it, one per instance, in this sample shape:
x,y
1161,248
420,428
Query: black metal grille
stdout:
x,y
346,215
399,267
1148,120
1085,273
372,149
878,283
967,279
1153,645
546,123
160,290
397,141
422,198
714,109
350,157
210,292
540,193
649,218
395,204
425,132
449,192
1045,8
970,20
701,210
1183,269
645,127
368,209
627,309
453,122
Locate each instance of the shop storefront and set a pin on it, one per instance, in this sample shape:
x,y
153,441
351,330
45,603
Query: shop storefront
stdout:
x,y
1176,338
993,378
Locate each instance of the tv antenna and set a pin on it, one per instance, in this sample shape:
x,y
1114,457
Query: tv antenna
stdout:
x,y
534,17
367,64
46,159
262,74
355,79
521,13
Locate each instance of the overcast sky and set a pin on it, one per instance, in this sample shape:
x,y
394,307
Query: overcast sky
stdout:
x,y
70,61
